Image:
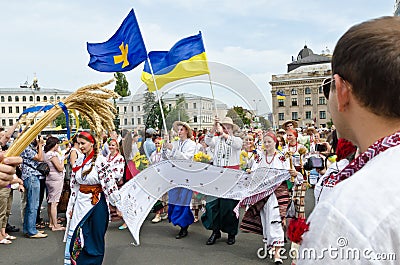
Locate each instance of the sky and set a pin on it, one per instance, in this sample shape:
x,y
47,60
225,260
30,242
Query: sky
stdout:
x,y
256,38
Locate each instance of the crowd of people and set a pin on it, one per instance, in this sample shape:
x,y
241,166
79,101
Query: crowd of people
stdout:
x,y
352,169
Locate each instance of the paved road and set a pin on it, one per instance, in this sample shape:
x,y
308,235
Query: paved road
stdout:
x,y
158,245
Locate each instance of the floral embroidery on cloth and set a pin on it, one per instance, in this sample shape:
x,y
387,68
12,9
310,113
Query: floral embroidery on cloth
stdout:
x,y
77,248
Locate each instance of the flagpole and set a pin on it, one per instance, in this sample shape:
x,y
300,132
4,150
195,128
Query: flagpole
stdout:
x,y
212,92
158,97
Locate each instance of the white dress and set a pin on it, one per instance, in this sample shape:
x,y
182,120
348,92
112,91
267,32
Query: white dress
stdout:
x,y
80,203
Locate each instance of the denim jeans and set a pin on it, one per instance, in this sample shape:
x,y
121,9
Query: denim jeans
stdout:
x,y
32,189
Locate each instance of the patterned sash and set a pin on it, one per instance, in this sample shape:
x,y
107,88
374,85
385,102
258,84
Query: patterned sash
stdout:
x,y
378,147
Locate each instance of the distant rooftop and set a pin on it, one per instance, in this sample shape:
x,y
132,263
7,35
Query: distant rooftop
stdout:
x,y
307,57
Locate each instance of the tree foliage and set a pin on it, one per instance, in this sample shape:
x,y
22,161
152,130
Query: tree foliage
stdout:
x,y
265,124
239,115
152,111
121,85
177,113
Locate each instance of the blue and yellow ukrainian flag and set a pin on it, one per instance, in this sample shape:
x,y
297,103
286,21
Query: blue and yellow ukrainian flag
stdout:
x,y
122,52
280,95
186,58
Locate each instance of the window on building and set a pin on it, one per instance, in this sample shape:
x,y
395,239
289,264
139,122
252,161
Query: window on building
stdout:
x,y
194,118
295,115
45,98
308,100
194,105
9,98
322,114
17,109
133,121
3,109
117,109
23,108
186,105
293,91
320,90
24,98
125,121
132,108
322,101
124,109
51,99
37,98
281,116
307,90
2,99
281,103
3,122
31,98
170,106
138,108
139,121
16,99
9,109
10,122
308,115
294,101
58,98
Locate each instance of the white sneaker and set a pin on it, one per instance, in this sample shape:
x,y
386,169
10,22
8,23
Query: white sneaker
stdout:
x,y
157,219
164,216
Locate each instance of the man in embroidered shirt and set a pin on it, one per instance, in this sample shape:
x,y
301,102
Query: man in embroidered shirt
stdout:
x,y
219,215
359,220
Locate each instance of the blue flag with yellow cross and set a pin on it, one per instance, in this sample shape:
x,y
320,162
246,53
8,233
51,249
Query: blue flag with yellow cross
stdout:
x,y
122,52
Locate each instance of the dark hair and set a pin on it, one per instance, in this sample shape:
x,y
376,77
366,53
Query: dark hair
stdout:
x,y
50,143
368,57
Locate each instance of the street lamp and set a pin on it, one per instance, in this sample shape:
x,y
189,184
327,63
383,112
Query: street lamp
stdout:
x,y
255,101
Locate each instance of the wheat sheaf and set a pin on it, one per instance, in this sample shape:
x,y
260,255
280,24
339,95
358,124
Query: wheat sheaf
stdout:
x,y
92,102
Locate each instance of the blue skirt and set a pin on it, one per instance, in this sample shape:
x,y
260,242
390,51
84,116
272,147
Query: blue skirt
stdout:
x,y
93,227
179,212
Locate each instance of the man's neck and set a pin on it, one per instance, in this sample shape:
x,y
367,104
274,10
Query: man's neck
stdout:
x,y
368,128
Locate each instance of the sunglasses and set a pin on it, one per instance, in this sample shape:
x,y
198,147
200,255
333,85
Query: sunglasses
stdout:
x,y
326,86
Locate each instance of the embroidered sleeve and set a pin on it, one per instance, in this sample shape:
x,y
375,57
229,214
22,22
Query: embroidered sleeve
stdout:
x,y
117,167
235,142
107,180
74,192
210,140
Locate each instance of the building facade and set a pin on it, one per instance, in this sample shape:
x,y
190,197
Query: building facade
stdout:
x,y
303,100
199,109
13,101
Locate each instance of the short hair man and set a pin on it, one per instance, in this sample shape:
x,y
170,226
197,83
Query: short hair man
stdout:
x,y
362,212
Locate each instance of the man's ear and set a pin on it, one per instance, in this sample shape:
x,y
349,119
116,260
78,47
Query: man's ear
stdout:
x,y
343,93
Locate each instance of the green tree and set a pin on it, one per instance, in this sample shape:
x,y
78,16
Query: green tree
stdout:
x,y
152,112
239,116
83,122
60,120
265,124
177,113
121,85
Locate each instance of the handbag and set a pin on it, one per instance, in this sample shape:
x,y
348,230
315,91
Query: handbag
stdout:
x,y
42,167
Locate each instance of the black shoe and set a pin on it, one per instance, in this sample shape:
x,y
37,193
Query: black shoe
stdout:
x,y
11,229
231,240
214,236
183,233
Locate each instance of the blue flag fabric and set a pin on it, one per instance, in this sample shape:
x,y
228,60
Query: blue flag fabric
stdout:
x,y
122,52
